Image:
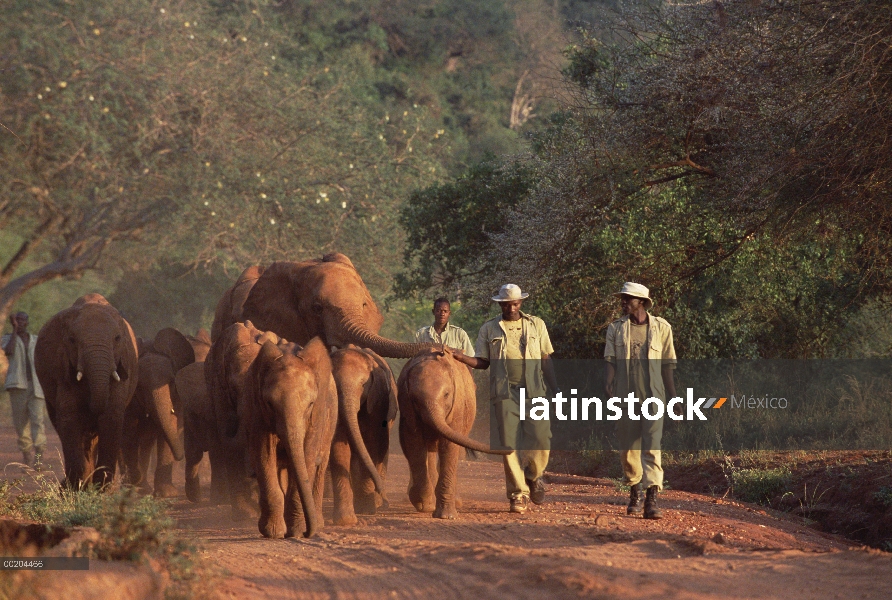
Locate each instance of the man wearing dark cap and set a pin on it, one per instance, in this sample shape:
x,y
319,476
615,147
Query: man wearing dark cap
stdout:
x,y
640,359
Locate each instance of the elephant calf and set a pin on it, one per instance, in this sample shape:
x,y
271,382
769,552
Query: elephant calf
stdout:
x,y
291,415
438,403
367,406
153,419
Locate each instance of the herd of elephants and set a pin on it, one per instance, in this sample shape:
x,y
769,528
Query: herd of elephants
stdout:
x,y
290,383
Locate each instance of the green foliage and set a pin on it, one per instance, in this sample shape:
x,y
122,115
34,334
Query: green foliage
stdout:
x,y
760,485
448,225
224,134
883,496
131,527
656,177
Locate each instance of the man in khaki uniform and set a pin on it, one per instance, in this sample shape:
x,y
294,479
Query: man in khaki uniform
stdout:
x,y
519,350
25,393
444,332
640,359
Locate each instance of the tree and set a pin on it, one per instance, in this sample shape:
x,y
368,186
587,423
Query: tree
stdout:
x,y
733,157
212,137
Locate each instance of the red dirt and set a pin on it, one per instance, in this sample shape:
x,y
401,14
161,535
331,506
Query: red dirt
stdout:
x,y
579,544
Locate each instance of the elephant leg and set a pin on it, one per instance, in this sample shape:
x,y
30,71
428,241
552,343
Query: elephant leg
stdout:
x,y
239,483
294,510
130,453
145,444
194,453
364,496
376,435
74,451
415,448
445,491
272,500
163,483
109,445
340,466
219,495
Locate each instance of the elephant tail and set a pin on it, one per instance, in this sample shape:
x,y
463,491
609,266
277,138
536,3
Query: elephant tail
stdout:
x,y
436,420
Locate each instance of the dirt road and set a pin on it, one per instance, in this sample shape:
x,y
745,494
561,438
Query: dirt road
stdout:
x,y
579,544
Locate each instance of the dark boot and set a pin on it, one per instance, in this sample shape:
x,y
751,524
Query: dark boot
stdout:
x,y
537,490
28,458
651,510
634,507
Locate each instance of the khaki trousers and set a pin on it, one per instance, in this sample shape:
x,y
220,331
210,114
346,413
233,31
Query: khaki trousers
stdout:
x,y
531,439
28,418
639,451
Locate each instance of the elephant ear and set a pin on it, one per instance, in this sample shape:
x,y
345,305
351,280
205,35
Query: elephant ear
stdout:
x,y
58,362
272,304
383,387
175,346
202,336
315,354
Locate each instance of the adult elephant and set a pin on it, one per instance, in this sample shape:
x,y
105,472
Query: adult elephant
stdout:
x,y
367,407
86,362
229,307
153,418
301,300
438,403
226,374
292,412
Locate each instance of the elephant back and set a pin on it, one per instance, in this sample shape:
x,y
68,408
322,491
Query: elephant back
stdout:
x,y
229,307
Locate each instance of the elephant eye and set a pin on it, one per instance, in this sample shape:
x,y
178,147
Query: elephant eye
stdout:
x,y
317,307
118,338
71,339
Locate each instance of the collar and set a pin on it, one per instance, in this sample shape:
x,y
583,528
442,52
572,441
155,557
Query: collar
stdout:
x,y
626,318
523,316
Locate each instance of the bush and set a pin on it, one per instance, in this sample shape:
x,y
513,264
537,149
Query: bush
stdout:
x,y
132,527
760,485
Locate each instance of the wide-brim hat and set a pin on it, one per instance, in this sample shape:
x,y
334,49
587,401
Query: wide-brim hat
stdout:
x,y
636,290
509,293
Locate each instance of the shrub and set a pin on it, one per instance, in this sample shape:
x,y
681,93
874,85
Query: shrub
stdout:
x,y
759,485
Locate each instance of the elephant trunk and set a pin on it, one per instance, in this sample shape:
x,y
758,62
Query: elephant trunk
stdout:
x,y
162,412
98,366
354,332
295,441
349,409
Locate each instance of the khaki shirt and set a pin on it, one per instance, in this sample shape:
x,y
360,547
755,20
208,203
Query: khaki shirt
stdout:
x,y
660,349
454,337
492,346
16,377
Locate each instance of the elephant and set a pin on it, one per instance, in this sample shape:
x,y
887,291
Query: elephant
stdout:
x,y
367,406
226,374
153,418
229,307
292,413
300,300
86,362
437,403
199,433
